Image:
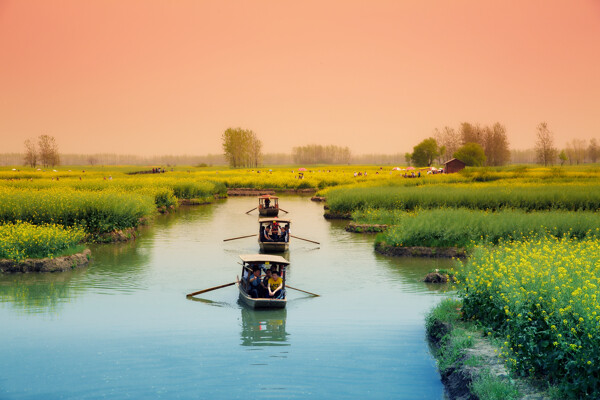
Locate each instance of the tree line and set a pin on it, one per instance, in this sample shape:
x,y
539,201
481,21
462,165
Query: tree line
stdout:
x,y
318,154
473,144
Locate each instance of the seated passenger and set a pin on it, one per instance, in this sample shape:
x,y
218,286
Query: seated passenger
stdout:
x,y
265,284
254,283
267,234
275,285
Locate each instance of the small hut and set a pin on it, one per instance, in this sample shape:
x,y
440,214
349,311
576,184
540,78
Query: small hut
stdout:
x,y
453,165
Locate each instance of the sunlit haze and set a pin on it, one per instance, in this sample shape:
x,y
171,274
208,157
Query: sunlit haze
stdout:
x,y
157,77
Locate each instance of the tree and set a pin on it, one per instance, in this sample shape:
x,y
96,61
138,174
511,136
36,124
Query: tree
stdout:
x,y
471,154
408,158
31,157
562,157
241,147
48,151
92,160
441,154
472,133
576,151
449,139
495,145
593,151
544,146
425,153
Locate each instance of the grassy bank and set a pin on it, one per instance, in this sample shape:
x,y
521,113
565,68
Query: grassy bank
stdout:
x,y
466,361
96,212
22,240
466,228
474,196
541,297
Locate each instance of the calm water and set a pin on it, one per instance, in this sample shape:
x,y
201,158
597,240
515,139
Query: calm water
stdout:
x,y
123,328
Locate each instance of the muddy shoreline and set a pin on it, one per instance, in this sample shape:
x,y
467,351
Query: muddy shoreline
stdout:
x,y
419,251
365,228
57,264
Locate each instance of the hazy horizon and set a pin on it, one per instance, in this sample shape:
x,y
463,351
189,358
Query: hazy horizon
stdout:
x,y
152,78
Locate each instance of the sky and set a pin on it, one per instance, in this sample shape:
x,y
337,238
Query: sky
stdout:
x,y
154,77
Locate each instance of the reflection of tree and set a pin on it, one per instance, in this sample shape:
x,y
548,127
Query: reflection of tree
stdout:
x,y
264,327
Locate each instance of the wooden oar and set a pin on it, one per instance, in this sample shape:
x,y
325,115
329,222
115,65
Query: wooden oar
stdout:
x,y
283,210
241,237
300,290
248,212
312,241
208,290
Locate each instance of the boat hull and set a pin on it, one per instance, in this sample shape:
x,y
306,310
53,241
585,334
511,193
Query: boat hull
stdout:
x,y
274,247
260,303
268,212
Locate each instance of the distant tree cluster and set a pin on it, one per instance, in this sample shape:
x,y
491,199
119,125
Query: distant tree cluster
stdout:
x,y
473,144
242,148
46,152
317,154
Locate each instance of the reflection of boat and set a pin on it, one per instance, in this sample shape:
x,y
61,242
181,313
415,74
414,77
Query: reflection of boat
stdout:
x,y
264,328
278,230
264,262
268,205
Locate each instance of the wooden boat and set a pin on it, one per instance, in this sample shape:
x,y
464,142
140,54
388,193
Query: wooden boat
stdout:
x,y
264,262
279,229
268,206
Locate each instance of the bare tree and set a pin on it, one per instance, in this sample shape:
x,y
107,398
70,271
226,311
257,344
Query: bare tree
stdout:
x,y
495,145
92,160
448,139
593,151
48,151
31,156
544,146
576,151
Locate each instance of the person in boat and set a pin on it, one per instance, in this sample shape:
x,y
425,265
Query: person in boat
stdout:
x,y
245,277
265,283
267,234
285,231
276,232
275,285
267,202
254,283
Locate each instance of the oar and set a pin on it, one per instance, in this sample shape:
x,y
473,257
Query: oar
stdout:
x,y
300,290
283,210
208,290
248,212
241,237
312,241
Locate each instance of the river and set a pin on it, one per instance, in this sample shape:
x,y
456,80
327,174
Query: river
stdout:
x,y
123,328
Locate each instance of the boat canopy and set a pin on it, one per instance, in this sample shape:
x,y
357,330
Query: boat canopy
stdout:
x,y
267,196
261,258
274,219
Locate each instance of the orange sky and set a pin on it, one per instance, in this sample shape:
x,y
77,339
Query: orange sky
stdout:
x,y
167,77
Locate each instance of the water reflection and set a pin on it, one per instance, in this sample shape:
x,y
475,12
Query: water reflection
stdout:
x,y
264,327
114,267
38,292
414,269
